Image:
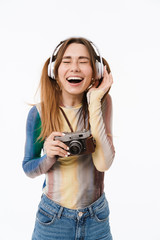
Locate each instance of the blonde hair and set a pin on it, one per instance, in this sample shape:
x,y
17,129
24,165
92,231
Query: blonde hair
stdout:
x,y
50,90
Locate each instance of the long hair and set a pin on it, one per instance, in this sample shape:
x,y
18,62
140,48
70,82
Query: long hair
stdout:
x,y
50,90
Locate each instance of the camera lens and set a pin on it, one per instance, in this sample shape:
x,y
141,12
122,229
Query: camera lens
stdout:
x,y
75,147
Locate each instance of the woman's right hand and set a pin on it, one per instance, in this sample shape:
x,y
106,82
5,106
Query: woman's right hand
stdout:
x,y
55,147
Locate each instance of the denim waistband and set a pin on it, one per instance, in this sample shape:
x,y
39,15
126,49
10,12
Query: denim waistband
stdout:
x,y
54,208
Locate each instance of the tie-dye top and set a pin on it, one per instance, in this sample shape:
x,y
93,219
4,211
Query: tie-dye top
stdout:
x,y
75,181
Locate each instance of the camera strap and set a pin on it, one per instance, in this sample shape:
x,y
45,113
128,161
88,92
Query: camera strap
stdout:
x,y
84,117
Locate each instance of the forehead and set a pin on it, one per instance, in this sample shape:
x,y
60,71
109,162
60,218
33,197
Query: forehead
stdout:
x,y
76,50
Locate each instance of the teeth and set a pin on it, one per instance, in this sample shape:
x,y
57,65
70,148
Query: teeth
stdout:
x,y
74,78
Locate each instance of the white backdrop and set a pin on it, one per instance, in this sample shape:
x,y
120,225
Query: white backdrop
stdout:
x,y
127,34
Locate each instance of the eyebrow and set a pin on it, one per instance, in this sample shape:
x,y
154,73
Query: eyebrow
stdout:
x,y
80,57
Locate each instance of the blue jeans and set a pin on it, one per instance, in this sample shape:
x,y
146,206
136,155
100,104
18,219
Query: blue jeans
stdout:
x,y
56,222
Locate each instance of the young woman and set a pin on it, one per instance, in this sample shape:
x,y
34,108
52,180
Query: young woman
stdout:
x,y
72,125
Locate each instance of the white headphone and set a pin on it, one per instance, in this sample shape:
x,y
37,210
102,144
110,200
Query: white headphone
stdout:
x,y
98,64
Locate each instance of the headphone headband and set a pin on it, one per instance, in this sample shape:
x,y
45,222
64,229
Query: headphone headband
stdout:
x,y
99,64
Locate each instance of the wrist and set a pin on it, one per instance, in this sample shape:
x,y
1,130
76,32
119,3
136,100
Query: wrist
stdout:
x,y
96,95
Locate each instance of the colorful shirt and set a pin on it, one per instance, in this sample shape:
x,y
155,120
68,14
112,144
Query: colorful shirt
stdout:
x,y
75,181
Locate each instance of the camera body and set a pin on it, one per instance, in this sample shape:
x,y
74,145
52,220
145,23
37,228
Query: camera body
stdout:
x,y
78,142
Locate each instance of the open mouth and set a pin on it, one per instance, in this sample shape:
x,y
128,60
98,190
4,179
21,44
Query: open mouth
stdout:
x,y
74,79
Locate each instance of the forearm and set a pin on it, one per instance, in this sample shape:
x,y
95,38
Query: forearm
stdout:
x,y
104,153
33,163
37,166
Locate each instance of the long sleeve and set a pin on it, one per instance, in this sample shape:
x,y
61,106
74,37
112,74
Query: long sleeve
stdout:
x,y
33,163
100,115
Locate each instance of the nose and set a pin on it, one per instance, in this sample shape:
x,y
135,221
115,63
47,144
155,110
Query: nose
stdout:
x,y
75,67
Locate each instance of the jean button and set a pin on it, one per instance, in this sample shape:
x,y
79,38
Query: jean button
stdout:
x,y
80,214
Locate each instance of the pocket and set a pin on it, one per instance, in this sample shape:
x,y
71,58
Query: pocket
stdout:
x,y
101,213
45,218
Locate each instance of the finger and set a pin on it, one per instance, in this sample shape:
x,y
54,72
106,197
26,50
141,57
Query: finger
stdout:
x,y
59,144
105,77
53,134
105,72
58,151
96,83
110,78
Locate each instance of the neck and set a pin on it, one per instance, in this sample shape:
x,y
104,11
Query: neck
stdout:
x,y
71,100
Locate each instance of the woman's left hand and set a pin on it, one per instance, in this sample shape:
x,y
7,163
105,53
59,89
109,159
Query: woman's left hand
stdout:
x,y
106,83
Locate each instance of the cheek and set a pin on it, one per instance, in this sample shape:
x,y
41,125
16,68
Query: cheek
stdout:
x,y
88,81
60,71
88,72
60,78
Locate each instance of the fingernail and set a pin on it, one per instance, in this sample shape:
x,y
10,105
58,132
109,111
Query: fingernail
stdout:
x,y
67,148
63,134
68,153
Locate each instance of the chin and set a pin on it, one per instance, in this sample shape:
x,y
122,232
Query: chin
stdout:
x,y
76,92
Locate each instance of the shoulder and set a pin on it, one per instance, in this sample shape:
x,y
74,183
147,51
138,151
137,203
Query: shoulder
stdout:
x,y
33,114
33,111
108,98
33,121
107,101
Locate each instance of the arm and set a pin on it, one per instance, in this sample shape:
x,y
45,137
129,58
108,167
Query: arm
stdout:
x,y
100,114
33,164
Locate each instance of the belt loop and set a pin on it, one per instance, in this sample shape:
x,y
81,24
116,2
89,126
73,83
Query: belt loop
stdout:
x,y
60,212
91,211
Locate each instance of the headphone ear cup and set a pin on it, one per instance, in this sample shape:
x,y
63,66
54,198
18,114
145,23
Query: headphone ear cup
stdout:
x,y
99,70
50,70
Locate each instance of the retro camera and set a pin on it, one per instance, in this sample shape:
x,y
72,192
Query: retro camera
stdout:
x,y
78,142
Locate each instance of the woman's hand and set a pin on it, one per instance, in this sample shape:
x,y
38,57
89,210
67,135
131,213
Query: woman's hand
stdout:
x,y
55,147
106,83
